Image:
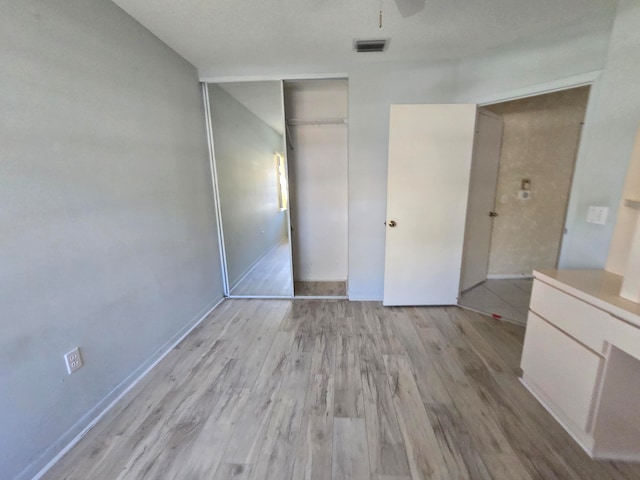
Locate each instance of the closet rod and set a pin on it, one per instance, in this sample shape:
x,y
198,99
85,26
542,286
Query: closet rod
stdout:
x,y
324,121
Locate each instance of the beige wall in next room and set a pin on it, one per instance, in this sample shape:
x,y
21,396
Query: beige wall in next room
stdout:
x,y
541,136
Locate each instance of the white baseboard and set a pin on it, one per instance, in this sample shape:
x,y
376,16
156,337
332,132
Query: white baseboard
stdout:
x,y
263,297
363,298
321,297
70,438
507,276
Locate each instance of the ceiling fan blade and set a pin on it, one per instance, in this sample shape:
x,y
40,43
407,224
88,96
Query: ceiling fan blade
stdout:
x,y
409,8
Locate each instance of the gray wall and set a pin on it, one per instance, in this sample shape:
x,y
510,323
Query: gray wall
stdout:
x,y
524,67
371,92
612,121
108,236
244,147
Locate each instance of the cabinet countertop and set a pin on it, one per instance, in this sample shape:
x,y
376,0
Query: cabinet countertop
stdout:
x,y
597,287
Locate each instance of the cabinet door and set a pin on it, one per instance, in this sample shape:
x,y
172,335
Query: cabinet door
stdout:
x,y
563,371
571,315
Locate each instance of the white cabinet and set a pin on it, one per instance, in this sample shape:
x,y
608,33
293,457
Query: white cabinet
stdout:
x,y
571,315
562,370
581,359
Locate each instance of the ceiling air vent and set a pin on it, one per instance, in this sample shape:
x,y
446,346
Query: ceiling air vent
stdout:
x,y
362,46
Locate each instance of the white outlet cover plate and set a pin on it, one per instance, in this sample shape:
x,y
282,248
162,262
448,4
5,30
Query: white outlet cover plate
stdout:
x,y
73,360
597,215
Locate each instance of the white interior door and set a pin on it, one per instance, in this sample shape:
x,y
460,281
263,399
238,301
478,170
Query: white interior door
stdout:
x,y
482,194
430,150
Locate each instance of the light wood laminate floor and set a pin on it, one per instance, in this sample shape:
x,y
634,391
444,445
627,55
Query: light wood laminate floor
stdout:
x,y
320,289
270,276
332,390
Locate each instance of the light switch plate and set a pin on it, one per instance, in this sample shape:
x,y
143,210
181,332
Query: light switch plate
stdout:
x,y
597,215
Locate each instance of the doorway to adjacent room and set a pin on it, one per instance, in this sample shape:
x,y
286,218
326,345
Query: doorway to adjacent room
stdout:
x,y
522,221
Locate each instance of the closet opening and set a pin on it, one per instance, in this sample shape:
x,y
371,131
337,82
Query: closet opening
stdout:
x,y
316,113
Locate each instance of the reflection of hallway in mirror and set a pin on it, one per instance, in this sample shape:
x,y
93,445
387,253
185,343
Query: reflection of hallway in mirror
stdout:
x,y
320,289
271,275
506,299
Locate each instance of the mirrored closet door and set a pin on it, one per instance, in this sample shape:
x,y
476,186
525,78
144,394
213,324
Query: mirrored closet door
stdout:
x,y
246,121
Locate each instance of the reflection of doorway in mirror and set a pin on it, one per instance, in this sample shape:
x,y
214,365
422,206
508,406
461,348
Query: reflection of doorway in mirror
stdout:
x,y
316,113
283,187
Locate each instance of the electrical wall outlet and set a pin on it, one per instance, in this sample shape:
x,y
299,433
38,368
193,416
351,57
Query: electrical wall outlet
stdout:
x,y
597,215
73,360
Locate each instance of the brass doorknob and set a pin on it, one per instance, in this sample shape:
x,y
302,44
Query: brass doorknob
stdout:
x,y
392,223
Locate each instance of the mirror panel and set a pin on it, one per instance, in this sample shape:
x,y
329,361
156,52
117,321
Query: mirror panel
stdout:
x,y
247,123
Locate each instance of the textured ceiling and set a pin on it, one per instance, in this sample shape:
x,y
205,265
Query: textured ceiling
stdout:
x,y
231,35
